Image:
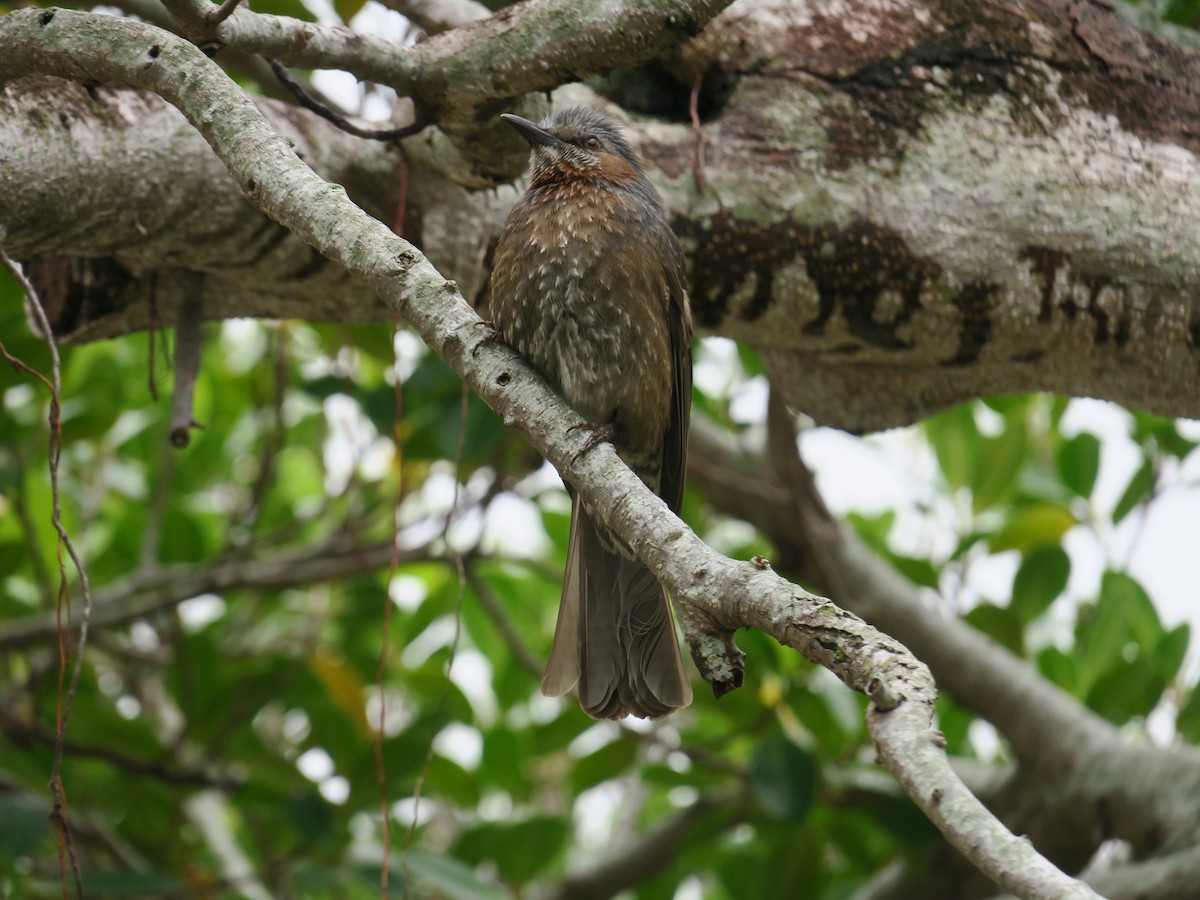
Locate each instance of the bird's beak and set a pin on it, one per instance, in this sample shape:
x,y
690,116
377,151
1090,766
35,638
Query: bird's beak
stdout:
x,y
529,131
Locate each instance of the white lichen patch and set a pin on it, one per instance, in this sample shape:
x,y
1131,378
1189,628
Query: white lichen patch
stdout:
x,y
1087,182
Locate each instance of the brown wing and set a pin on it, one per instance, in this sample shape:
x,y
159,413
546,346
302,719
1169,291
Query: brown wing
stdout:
x,y
679,320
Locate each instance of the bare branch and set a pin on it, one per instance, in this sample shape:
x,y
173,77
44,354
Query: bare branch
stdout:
x,y
326,112
153,590
436,16
534,46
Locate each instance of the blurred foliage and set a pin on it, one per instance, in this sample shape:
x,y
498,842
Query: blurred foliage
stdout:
x,y
252,712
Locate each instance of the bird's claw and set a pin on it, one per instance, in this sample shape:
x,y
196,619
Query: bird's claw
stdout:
x,y
600,433
491,335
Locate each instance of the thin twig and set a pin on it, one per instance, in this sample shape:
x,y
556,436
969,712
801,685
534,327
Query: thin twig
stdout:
x,y
701,138
221,13
401,194
312,104
58,813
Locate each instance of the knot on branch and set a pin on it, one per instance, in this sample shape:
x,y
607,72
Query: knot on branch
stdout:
x,y
882,694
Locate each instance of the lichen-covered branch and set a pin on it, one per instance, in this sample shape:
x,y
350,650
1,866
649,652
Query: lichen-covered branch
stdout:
x,y
454,76
904,205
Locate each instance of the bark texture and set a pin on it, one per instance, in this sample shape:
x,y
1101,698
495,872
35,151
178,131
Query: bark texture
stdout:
x,y
899,204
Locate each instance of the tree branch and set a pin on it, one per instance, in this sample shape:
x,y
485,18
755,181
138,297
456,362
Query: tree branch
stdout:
x,y
727,594
436,16
847,184
156,589
533,46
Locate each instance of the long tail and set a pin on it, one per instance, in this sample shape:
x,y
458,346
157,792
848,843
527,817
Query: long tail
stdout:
x,y
615,634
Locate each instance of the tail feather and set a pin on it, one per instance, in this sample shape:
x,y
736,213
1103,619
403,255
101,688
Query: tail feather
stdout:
x,y
658,682
615,634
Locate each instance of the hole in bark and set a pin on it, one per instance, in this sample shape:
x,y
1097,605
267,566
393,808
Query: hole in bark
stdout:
x,y
503,379
47,17
252,185
154,51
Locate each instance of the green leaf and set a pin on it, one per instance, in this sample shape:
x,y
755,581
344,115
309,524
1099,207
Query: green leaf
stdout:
x,y
1187,722
999,460
1126,690
292,8
309,815
1032,526
23,824
12,554
1040,579
784,776
1060,668
1163,432
1171,650
348,9
519,850
955,439
874,530
450,781
1125,606
750,360
445,876
1000,624
1078,461
918,571
608,762
1121,626
1137,491
131,884
1008,405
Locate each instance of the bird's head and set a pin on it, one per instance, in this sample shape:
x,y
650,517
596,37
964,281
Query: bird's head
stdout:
x,y
578,143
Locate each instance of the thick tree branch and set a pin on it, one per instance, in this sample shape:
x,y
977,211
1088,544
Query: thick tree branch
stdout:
x,y
724,593
454,76
970,199
1173,876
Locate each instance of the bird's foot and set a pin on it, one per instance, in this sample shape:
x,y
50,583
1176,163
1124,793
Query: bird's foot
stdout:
x,y
491,335
600,433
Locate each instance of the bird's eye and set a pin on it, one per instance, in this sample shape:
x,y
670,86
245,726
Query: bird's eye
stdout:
x,y
592,143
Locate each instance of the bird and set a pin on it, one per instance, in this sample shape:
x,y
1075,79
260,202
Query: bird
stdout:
x,y
588,285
